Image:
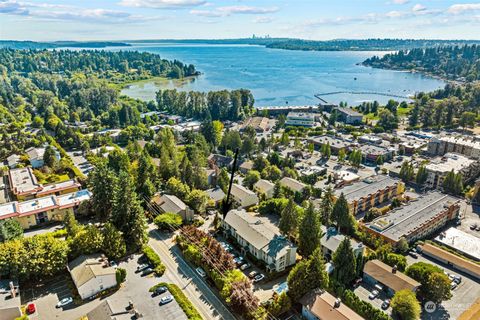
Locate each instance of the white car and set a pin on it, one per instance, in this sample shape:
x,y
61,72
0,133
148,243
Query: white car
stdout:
x,y
373,295
166,299
245,266
64,302
201,272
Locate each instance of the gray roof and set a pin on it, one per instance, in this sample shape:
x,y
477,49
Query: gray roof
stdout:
x,y
258,233
264,185
292,184
404,220
85,268
170,203
331,240
365,187
349,112
216,194
241,192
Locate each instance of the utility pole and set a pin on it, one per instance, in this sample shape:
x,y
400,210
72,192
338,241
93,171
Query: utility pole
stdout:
x,y
226,202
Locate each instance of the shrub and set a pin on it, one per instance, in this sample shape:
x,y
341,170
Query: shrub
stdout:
x,y
168,220
121,275
155,260
182,300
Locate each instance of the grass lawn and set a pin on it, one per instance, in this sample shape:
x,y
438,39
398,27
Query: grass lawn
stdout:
x,y
46,178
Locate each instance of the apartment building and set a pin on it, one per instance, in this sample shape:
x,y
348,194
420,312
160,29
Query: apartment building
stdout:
x,y
260,238
439,167
467,146
303,119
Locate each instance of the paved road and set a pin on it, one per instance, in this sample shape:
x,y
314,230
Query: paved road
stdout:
x,y
180,273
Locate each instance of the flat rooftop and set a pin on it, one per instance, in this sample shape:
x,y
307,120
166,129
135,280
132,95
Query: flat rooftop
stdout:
x,y
404,220
302,115
350,112
73,199
461,140
461,241
7,210
22,180
449,162
39,204
365,187
338,143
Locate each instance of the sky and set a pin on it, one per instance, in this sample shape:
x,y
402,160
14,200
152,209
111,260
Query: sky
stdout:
x,y
49,20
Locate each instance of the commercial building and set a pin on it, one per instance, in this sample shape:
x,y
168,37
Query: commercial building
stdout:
x,y
370,192
336,144
469,147
460,241
172,204
91,275
302,119
417,219
292,184
24,185
242,196
42,210
450,259
389,279
370,139
321,305
261,239
331,240
349,116
371,153
439,167
264,187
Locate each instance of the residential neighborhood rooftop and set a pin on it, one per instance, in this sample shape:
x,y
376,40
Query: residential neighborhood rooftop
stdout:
x,y
326,307
22,180
460,241
365,187
385,274
449,162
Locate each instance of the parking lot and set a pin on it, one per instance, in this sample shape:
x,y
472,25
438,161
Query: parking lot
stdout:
x,y
363,291
135,289
80,162
462,297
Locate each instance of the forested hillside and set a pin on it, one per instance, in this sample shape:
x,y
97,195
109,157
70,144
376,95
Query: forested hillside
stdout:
x,y
449,62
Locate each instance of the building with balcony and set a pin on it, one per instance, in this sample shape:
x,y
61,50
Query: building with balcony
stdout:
x,y
439,167
467,146
302,119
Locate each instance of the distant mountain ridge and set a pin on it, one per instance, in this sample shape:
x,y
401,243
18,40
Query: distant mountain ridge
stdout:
x,y
14,44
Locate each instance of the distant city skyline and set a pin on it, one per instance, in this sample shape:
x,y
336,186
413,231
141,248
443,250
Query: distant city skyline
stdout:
x,y
48,20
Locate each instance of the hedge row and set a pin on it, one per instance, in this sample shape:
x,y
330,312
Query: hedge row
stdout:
x,y
155,260
182,300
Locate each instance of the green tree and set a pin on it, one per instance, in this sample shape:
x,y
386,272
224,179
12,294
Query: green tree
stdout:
x,y
309,232
101,183
380,160
393,259
326,151
344,263
327,206
341,155
405,305
168,220
49,157
197,200
223,180
467,119
88,240
406,172
10,229
177,188
113,244
251,178
272,173
342,217
435,285
289,219
422,175
127,213
71,224
355,158
280,304
402,245
453,183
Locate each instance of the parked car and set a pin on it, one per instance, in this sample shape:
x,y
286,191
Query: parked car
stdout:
x,y
146,272
413,254
159,291
31,308
259,277
113,264
457,279
201,272
373,295
166,299
453,285
245,266
239,261
64,302
141,267
386,304
252,274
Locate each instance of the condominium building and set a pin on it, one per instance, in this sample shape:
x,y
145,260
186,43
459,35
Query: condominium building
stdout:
x,y
303,119
349,116
242,196
260,238
370,192
467,146
416,220
439,167
42,210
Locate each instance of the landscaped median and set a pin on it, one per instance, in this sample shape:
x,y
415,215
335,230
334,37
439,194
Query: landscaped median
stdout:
x,y
182,300
154,259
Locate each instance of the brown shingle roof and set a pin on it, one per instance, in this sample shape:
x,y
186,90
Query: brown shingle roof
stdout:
x,y
452,258
383,273
321,304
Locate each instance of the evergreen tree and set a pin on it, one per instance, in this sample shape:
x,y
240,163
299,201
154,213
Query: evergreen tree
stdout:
x,y
113,243
422,175
309,232
102,182
10,229
344,263
341,215
405,305
327,206
289,219
71,225
127,214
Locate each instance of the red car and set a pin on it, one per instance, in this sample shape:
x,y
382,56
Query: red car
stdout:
x,y
31,308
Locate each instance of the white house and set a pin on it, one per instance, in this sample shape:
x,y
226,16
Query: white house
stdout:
x,y
91,274
261,239
242,196
264,187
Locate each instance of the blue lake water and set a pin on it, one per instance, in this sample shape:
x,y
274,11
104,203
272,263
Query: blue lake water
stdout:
x,y
280,77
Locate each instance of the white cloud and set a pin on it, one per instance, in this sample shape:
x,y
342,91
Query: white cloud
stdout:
x,y
231,10
400,1
162,4
419,8
262,20
463,8
395,14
